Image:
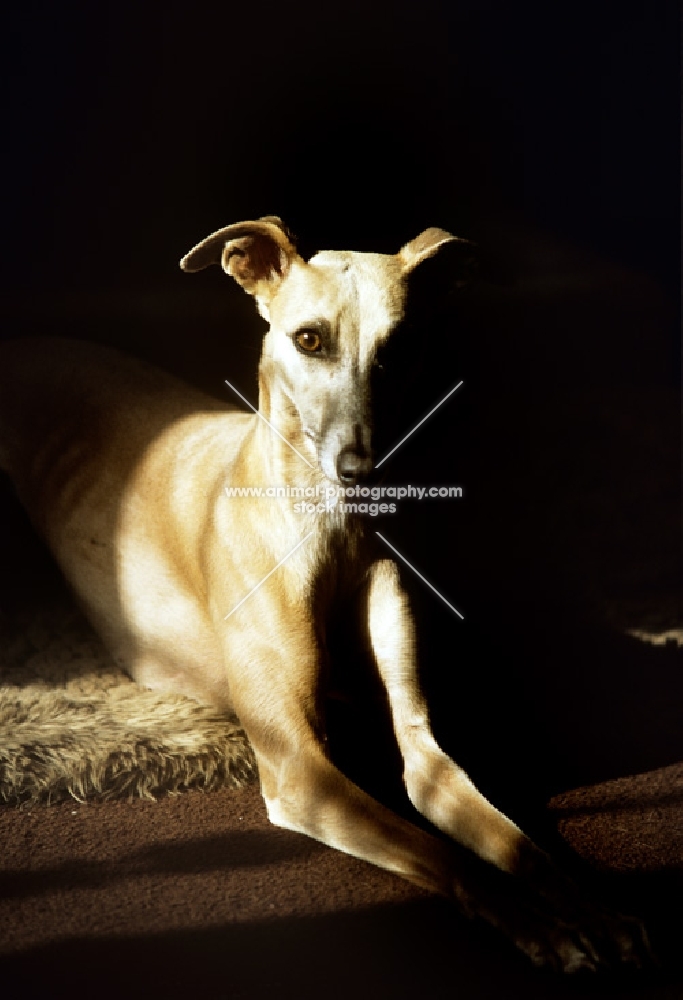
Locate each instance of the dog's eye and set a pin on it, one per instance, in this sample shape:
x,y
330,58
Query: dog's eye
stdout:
x,y
308,341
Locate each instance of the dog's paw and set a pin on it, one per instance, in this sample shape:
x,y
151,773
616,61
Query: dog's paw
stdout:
x,y
589,934
623,940
593,942
569,936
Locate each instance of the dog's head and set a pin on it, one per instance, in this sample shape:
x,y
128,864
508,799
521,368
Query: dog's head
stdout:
x,y
331,319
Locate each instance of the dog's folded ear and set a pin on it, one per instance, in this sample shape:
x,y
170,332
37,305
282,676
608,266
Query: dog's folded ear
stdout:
x,y
462,255
256,254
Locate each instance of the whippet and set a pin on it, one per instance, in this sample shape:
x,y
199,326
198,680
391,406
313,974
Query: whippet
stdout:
x,y
123,469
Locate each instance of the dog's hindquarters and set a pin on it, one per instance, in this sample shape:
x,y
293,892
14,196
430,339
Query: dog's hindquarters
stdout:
x,y
92,441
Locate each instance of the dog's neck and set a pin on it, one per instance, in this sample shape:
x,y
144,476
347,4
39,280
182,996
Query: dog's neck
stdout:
x,y
283,463
287,456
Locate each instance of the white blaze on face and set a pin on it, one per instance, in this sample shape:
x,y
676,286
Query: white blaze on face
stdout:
x,y
359,298
369,299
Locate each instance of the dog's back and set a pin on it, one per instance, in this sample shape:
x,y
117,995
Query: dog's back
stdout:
x,y
48,385
88,437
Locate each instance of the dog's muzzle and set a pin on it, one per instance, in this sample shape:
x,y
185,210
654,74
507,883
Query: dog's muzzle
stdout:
x,y
353,466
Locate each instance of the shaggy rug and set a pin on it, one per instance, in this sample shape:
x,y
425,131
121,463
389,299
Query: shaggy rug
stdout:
x,y
72,724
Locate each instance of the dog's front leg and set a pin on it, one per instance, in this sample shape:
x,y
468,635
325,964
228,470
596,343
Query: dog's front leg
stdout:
x,y
274,692
541,910
436,786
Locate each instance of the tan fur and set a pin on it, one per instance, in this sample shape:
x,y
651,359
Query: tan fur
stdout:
x,y
123,469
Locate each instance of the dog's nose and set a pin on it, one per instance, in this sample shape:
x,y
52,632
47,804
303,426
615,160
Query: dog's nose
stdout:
x,y
352,466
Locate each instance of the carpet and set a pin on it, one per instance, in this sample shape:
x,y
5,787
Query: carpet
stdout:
x,y
73,725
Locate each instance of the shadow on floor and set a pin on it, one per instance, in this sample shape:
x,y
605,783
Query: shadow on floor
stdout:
x,y
416,950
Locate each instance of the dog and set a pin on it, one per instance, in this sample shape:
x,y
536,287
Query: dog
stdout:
x,y
123,470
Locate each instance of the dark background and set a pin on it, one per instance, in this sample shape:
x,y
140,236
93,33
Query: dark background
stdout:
x,y
134,130
546,132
